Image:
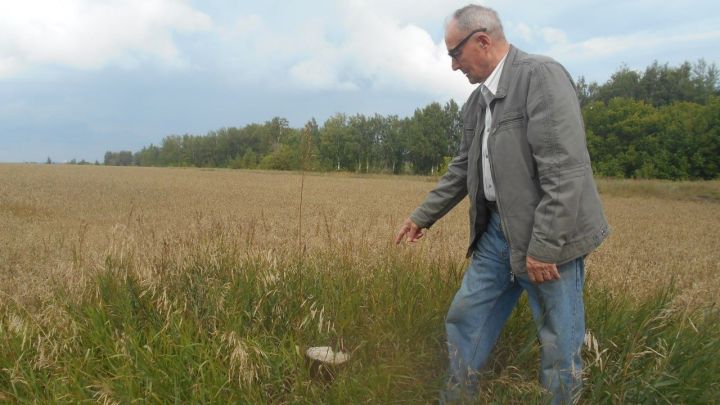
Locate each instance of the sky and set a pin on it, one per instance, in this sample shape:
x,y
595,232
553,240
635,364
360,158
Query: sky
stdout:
x,y
81,77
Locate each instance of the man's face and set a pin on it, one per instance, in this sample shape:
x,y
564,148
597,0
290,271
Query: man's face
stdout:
x,y
471,56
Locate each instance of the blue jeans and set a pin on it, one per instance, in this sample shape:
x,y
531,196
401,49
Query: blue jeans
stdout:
x,y
484,302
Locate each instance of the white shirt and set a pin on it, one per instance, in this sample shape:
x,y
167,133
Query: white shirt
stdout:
x,y
488,89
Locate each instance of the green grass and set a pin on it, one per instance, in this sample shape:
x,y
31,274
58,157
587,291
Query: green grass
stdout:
x,y
223,326
654,352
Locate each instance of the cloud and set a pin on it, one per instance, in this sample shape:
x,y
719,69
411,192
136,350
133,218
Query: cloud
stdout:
x,y
647,42
553,36
404,11
524,31
532,35
247,25
319,74
89,34
364,47
593,53
392,52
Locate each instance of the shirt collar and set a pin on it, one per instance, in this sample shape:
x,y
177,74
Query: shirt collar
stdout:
x,y
494,79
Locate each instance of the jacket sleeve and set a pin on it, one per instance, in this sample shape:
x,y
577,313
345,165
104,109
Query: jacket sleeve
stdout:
x,y
448,192
556,135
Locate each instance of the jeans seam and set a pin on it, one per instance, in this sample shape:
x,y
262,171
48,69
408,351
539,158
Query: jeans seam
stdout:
x,y
574,323
578,290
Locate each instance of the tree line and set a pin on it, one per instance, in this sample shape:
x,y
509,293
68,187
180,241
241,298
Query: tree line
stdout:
x,y
661,123
357,143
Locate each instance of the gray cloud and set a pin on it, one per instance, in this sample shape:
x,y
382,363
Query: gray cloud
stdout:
x,y
89,34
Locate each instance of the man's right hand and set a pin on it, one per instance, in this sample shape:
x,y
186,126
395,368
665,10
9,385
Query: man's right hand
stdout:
x,y
410,231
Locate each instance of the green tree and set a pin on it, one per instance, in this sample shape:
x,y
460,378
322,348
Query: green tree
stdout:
x,y
282,158
393,147
658,85
454,127
333,139
122,158
360,142
427,139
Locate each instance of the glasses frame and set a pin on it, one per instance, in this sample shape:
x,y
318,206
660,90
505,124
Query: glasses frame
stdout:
x,y
457,50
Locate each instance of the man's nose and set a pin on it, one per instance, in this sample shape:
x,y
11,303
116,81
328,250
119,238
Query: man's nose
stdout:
x,y
454,63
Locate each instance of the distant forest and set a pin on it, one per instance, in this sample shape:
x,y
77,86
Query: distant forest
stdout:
x,y
662,123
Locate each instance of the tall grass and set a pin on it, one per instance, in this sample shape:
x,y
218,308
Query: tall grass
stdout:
x,y
223,326
214,324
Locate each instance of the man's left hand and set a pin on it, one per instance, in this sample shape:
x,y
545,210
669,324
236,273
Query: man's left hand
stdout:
x,y
540,272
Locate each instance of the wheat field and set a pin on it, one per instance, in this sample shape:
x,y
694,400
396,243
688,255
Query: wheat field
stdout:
x,y
182,284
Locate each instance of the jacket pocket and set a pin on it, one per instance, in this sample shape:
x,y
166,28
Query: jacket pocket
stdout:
x,y
511,118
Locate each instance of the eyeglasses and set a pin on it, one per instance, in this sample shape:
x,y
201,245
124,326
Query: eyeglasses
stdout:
x,y
455,52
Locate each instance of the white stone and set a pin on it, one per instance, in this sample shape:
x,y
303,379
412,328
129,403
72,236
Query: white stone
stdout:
x,y
326,355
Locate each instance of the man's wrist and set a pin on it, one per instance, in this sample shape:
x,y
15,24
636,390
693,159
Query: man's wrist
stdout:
x,y
542,252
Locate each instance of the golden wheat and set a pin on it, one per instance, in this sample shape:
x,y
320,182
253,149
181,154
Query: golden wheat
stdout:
x,y
58,221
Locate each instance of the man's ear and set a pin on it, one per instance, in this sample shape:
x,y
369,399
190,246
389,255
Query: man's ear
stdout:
x,y
483,40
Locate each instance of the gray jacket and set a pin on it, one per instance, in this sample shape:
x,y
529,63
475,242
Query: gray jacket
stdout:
x,y
547,198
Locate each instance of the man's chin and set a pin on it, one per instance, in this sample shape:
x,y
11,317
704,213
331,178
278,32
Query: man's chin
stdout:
x,y
471,78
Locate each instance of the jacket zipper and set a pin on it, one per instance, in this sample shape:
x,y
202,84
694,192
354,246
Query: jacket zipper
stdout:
x,y
491,134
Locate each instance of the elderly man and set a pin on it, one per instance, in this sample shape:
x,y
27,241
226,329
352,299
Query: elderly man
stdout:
x,y
534,208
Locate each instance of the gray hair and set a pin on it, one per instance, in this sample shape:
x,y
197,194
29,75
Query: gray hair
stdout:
x,y
472,17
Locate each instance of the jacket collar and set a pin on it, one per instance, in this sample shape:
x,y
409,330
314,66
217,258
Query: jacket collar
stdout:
x,y
506,74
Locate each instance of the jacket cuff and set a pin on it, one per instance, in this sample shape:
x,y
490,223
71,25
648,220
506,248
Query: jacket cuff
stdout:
x,y
421,219
543,252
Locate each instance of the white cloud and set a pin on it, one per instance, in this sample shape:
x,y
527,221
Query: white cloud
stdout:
x,y
247,25
548,35
89,34
319,73
524,31
363,47
595,53
403,58
553,36
404,11
393,52
9,65
647,42
299,56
